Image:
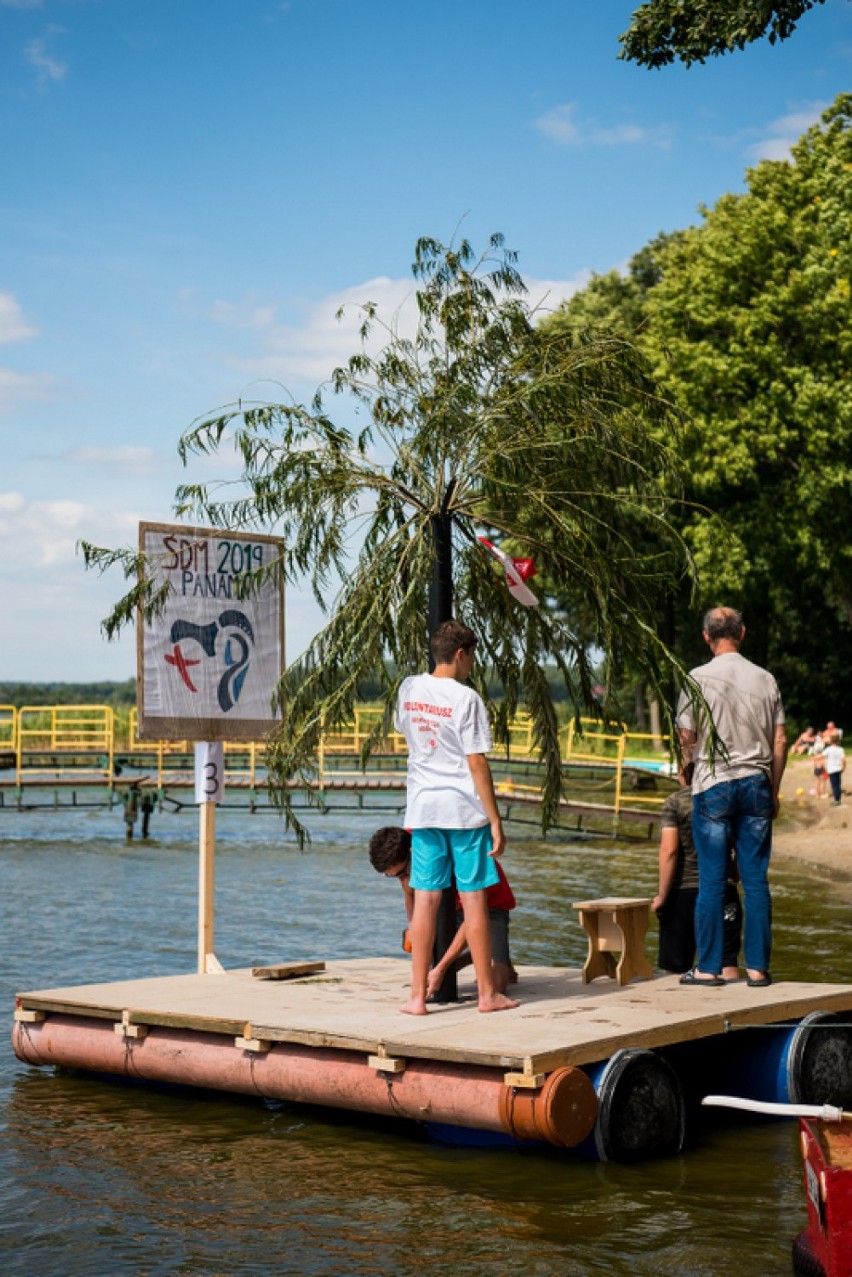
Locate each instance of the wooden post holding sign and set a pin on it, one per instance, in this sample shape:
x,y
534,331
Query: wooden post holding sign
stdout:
x,y
209,790
209,661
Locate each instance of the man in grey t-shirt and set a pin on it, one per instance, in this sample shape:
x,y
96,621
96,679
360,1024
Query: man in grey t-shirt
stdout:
x,y
735,792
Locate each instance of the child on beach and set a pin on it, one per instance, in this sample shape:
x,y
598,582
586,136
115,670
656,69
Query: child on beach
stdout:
x,y
451,809
820,775
835,764
390,854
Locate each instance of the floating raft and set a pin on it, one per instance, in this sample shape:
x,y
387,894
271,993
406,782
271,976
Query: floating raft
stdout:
x,y
577,1064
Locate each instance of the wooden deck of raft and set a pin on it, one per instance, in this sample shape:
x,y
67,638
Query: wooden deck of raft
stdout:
x,y
353,1005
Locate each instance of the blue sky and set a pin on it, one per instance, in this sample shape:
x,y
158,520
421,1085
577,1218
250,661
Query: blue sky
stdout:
x,y
191,188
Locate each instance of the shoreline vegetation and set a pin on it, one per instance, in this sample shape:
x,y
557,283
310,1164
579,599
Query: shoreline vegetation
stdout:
x,y
120,695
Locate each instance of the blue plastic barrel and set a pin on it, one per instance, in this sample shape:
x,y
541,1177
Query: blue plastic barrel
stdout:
x,y
807,1062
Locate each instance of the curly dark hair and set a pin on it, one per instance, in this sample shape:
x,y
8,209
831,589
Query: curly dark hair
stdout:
x,y
388,847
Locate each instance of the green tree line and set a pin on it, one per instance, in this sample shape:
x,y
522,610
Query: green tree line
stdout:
x,y
118,695
745,319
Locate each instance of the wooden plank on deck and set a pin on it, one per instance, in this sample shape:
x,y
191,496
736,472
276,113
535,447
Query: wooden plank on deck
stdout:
x,y
287,970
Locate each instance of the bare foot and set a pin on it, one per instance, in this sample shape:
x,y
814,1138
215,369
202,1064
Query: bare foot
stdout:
x,y
414,1006
513,976
498,1002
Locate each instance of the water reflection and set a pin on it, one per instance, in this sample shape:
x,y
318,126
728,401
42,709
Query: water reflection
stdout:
x,y
102,1178
178,1183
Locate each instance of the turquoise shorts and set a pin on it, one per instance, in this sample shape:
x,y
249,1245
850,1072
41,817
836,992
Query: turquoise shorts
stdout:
x,y
439,855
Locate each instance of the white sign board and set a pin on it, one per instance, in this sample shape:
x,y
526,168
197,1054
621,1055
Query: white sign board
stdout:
x,y
209,662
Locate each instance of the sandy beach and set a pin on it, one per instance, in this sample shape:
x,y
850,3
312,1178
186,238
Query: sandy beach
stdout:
x,y
812,830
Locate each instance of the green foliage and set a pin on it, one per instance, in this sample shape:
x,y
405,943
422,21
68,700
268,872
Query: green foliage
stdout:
x,y
144,596
557,443
664,31
748,327
118,695
753,314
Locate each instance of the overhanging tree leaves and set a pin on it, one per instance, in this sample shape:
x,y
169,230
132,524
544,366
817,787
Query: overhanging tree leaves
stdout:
x,y
747,319
754,315
665,31
556,443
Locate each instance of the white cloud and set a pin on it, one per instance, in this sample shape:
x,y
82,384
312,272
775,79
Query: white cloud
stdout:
x,y
18,387
545,295
42,534
58,606
308,352
49,68
242,314
781,134
57,635
564,126
13,326
125,459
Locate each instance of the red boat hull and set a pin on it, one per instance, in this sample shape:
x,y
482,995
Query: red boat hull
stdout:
x,y
826,1245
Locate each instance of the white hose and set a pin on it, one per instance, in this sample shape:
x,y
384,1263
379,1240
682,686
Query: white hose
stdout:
x,y
828,1112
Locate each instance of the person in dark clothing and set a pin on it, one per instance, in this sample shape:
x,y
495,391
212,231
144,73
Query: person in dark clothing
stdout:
x,y
674,903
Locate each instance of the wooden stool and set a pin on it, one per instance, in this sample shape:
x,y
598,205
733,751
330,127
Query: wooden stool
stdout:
x,y
613,923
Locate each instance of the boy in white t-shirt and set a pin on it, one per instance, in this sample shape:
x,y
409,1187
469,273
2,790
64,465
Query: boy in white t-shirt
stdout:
x,y
451,808
835,764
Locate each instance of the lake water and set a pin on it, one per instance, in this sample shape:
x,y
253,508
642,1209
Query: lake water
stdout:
x,y
102,1179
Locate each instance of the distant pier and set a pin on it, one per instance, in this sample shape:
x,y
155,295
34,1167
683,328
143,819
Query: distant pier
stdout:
x,y
82,756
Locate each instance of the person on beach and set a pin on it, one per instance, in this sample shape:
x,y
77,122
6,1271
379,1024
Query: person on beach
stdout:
x,y
805,742
674,903
820,788
735,792
390,854
835,765
451,809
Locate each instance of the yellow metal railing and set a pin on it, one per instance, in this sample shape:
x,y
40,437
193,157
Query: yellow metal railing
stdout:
x,y
8,727
350,738
162,750
62,730
662,747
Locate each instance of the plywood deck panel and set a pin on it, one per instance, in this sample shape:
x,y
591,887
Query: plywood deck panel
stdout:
x,y
354,1005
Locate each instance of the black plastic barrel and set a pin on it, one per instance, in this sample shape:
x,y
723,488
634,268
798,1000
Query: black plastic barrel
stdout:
x,y
819,1060
641,1111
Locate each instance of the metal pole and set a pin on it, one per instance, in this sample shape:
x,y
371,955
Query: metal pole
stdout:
x,y
441,585
206,882
440,610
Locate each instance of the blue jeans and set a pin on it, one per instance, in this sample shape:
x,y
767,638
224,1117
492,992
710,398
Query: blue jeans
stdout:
x,y
733,813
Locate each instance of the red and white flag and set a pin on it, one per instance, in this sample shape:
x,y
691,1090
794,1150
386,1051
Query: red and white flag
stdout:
x,y
518,571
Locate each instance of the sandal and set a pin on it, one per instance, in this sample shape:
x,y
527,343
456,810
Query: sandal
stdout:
x,y
762,981
711,981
